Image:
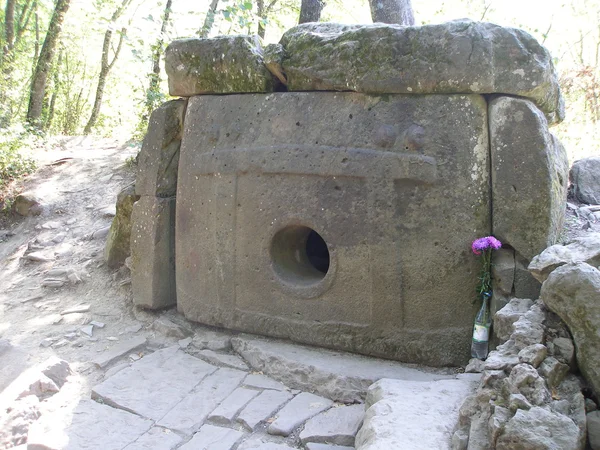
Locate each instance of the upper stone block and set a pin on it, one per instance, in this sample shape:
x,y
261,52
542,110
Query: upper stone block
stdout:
x,y
455,57
222,65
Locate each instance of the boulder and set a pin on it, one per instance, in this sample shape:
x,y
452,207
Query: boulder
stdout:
x,y
159,157
27,204
573,292
117,243
221,65
529,210
582,249
455,57
585,177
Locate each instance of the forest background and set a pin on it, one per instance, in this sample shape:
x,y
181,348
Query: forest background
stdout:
x,y
107,73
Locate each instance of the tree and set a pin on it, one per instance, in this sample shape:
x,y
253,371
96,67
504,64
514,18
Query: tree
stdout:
x,y
262,11
105,65
310,10
392,11
44,62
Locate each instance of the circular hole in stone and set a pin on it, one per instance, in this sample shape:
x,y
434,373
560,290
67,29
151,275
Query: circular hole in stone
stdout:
x,y
300,255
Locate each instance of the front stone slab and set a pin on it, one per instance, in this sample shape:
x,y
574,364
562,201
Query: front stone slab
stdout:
x,y
326,218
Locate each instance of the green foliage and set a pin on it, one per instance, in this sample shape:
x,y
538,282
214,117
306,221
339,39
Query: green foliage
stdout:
x,y
13,163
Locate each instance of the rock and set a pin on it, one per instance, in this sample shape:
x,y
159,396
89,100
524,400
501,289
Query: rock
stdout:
x,y
564,351
503,270
119,350
479,436
100,233
117,243
232,405
368,58
590,405
337,425
169,329
156,438
475,366
87,330
582,249
497,421
533,354
518,401
507,316
221,65
520,138
262,382
538,428
52,283
593,427
503,358
16,419
212,340
39,257
313,446
584,176
526,286
260,443
553,371
298,410
153,266
273,58
529,329
262,408
184,343
219,359
57,370
97,324
158,159
210,436
76,309
524,379
572,291
27,204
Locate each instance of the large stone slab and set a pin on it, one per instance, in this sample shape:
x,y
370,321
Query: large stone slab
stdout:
x,y
407,414
367,200
117,247
301,408
336,426
339,376
210,437
573,292
529,177
142,389
585,179
262,408
232,405
158,159
153,252
221,65
455,57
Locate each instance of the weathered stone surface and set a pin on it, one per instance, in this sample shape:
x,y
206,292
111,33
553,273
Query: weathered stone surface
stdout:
x,y
529,329
189,414
338,376
475,366
156,438
168,328
585,179
141,388
593,427
273,59
220,359
582,249
213,438
507,316
378,184
301,408
232,405
539,429
526,286
564,351
553,371
406,414
263,382
159,157
503,270
455,57
16,419
533,354
262,408
524,379
528,210
505,357
212,340
14,361
573,292
27,204
337,425
117,247
153,252
119,350
221,65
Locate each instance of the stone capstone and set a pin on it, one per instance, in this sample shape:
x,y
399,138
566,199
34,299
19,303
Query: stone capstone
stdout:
x,y
117,247
529,210
220,65
585,177
455,57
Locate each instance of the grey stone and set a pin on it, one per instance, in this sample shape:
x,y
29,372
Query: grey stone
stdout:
x,y
76,309
538,428
221,65
337,425
520,138
314,446
261,443
156,438
455,57
593,427
53,283
533,354
119,351
526,286
479,438
524,379
39,257
100,233
409,414
262,408
338,376
273,58
117,247
212,340
373,183
505,357
581,249
585,180
141,388
475,366
497,421
220,359
27,204
590,405
232,405
518,401
87,330
503,270
564,351
210,437
159,157
189,414
170,329
460,439
507,316
572,292
14,361
301,408
184,343
529,329
553,371
263,382
153,266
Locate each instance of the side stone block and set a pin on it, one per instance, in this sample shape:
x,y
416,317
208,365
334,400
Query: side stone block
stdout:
x,y
159,157
118,241
221,65
153,252
529,177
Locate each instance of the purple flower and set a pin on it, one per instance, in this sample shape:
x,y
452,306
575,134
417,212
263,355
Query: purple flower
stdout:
x,y
484,243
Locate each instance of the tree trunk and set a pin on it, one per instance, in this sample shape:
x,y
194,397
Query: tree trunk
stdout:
x,y
392,11
55,88
263,12
310,10
44,62
9,29
209,20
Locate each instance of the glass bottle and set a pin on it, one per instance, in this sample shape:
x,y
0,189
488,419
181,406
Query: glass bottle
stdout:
x,y
481,330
